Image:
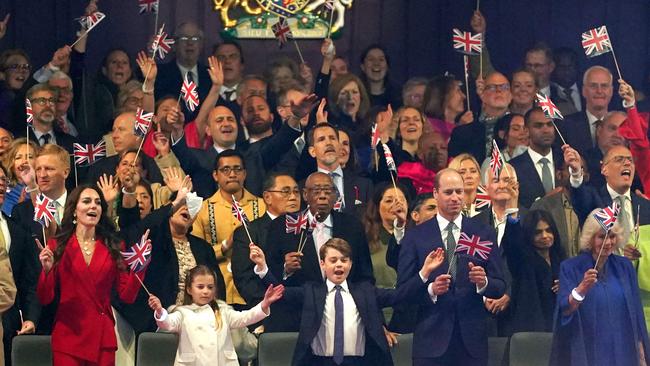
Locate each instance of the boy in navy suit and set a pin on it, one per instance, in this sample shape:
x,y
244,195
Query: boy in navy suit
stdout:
x,y
342,323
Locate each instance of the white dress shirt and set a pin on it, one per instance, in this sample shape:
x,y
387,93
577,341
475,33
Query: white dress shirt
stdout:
x,y
322,232
353,329
38,135
499,226
60,206
338,180
536,157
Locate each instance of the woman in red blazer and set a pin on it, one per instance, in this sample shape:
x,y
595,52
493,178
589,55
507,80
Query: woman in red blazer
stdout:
x,y
83,264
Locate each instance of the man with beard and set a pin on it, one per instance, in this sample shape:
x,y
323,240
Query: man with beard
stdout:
x,y
44,99
536,168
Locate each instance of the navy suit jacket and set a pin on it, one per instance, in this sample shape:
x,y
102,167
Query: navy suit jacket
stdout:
x,y
587,198
576,132
530,184
169,82
469,138
462,304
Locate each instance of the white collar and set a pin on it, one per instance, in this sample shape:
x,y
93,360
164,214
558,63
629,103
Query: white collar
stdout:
x,y
338,170
442,222
590,117
38,134
185,70
536,157
330,285
61,200
613,194
220,149
271,216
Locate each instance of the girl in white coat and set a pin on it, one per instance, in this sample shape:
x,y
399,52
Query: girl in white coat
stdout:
x,y
204,323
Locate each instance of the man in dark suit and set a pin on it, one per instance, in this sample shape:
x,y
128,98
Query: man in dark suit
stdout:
x,y
536,167
451,327
351,190
188,46
297,265
566,95
579,129
44,98
281,195
23,256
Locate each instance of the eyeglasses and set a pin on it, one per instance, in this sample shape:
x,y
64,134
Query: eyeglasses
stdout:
x,y
318,190
42,101
535,66
189,39
620,160
230,169
495,87
286,192
25,67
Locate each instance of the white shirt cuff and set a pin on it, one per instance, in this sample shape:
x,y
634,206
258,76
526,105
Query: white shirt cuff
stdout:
x,y
163,315
575,178
481,290
434,297
260,273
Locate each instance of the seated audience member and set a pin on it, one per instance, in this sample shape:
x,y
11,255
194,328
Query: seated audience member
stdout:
x,y
45,130
64,106
534,255
444,105
565,80
468,168
423,208
476,138
598,304
297,264
361,343
374,74
511,135
348,103
536,168
18,159
432,157
347,153
409,131
524,88
413,92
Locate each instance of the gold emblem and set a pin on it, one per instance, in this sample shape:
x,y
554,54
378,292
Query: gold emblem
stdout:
x,y
224,6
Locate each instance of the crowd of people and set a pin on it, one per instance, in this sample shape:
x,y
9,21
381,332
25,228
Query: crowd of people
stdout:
x,y
403,224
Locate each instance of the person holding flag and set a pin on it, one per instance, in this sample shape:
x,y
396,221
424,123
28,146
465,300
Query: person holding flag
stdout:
x,y
83,265
598,318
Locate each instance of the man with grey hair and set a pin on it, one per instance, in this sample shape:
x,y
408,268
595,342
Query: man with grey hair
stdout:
x,y
44,99
64,114
188,45
579,129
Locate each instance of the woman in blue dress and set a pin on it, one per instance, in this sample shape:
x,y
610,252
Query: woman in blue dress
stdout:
x,y
598,318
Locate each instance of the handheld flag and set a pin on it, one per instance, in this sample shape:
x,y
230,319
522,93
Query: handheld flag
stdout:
x,y
596,41
148,6
467,43
374,138
88,154
44,210
90,21
142,122
389,158
161,44
607,216
28,111
238,212
282,31
138,255
497,162
482,198
473,246
190,94
296,223
550,109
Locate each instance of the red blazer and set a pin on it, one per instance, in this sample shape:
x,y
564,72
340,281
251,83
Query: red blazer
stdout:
x,y
84,322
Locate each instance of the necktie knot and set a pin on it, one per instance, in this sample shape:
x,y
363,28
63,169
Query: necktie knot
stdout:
x,y
450,227
544,161
45,138
338,288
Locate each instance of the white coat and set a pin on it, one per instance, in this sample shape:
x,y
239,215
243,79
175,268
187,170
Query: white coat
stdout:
x,y
200,342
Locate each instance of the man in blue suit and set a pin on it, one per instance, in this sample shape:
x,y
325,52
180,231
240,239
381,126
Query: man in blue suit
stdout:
x,y
451,327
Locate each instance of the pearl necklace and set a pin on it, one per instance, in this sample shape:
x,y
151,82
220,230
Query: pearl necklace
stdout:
x,y
85,247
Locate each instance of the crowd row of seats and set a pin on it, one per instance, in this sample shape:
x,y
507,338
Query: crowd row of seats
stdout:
x,y
276,349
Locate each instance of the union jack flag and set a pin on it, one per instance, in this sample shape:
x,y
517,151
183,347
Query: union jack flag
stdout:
x,y
138,255
282,31
607,216
29,111
496,162
238,212
482,198
389,158
190,94
90,21
161,44
596,41
296,223
473,246
44,210
142,122
88,154
467,43
549,108
148,6
374,138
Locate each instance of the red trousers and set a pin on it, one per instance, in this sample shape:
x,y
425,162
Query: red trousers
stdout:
x,y
106,358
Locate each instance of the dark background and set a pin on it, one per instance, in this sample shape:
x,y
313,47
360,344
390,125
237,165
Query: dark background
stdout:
x,y
416,33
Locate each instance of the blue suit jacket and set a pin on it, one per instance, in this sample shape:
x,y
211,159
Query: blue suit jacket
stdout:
x,y
462,304
587,198
530,184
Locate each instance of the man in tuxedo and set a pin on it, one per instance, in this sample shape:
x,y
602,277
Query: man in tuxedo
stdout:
x,y
188,46
23,255
297,265
44,99
536,167
281,195
451,327
565,81
352,192
579,129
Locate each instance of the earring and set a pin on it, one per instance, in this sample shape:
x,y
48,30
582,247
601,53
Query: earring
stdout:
x,y
74,220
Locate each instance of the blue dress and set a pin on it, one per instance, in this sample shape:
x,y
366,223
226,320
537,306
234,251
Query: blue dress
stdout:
x,y
608,325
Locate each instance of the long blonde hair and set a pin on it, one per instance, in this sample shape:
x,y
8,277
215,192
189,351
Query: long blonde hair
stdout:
x,y
187,299
10,157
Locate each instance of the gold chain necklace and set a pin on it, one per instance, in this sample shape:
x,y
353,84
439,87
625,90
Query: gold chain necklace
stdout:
x,y
85,247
